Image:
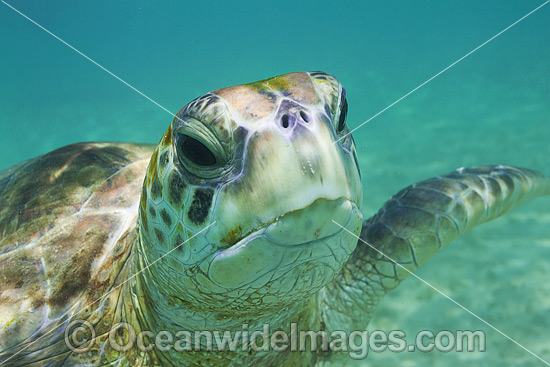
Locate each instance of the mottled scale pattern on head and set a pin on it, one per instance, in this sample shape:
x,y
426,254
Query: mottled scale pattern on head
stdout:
x,y
164,199
175,203
329,85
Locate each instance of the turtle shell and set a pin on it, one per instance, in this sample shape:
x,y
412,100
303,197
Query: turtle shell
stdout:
x,y
63,216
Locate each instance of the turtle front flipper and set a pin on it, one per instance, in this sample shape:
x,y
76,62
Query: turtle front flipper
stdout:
x,y
415,224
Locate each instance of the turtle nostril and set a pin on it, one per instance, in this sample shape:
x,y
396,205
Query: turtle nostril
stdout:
x,y
304,116
284,121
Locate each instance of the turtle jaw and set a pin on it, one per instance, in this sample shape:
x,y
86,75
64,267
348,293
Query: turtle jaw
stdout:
x,y
311,225
302,247
307,226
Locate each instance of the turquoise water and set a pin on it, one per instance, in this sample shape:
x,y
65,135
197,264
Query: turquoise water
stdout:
x,y
493,107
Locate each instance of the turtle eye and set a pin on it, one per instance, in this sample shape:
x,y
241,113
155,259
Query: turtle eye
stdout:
x,y
194,151
343,113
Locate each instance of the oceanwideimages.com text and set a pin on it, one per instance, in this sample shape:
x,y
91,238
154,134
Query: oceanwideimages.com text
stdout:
x,y
80,338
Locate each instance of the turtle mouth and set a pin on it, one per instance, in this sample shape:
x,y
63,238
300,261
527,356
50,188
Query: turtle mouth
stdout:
x,y
312,242
311,225
304,236
308,226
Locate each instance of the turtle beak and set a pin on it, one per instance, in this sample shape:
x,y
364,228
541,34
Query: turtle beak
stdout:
x,y
309,233
312,224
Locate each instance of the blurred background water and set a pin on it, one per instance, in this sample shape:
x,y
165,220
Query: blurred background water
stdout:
x,y
493,107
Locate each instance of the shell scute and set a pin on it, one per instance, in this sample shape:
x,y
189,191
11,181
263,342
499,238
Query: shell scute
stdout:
x,y
67,224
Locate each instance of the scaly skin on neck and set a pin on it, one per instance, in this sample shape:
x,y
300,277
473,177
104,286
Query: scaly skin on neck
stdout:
x,y
157,311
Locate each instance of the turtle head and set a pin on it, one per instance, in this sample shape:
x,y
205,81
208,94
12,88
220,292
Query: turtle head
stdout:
x,y
242,193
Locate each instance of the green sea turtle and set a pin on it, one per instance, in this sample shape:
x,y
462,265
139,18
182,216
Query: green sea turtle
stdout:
x,y
245,214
